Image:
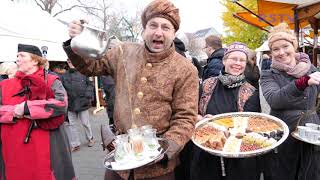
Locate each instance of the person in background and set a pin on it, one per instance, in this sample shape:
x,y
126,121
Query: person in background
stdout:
x,y
32,107
252,72
266,62
291,88
159,86
8,70
108,87
80,94
228,92
213,48
59,69
181,49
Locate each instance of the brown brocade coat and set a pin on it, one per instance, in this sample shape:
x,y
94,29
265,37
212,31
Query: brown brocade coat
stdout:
x,y
163,88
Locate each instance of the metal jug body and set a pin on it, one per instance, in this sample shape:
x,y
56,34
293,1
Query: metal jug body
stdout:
x,y
91,42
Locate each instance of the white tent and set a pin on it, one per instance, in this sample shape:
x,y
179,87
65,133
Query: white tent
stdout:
x,y
30,25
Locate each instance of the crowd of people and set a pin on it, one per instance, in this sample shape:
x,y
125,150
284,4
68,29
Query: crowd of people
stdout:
x,y
153,83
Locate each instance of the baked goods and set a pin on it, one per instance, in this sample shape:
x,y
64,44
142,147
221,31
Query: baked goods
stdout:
x,y
236,134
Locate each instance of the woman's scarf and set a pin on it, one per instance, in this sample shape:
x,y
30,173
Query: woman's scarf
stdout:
x,y
300,69
231,81
34,85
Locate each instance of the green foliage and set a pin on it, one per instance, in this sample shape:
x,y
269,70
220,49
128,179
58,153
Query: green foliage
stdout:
x,y
237,30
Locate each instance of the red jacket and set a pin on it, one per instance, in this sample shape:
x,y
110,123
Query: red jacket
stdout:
x,y
31,161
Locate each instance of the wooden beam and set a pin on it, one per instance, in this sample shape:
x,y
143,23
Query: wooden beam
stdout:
x,y
308,11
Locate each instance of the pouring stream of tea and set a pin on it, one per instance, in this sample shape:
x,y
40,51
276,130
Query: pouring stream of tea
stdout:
x,y
133,124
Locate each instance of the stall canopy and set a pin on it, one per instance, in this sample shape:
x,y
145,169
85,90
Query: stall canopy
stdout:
x,y
299,14
276,12
30,25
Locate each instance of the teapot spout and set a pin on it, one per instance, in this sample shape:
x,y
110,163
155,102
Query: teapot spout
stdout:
x,y
108,43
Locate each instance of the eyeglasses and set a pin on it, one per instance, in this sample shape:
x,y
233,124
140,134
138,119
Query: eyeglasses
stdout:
x,y
234,59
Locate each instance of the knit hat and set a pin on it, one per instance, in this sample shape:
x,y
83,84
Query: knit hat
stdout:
x,y
30,49
237,46
282,32
161,8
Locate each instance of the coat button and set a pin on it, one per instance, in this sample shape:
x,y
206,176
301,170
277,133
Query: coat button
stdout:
x,y
144,80
149,65
140,95
136,111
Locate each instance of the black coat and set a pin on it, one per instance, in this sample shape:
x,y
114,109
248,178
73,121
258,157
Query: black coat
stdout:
x,y
294,160
252,75
108,85
214,64
79,89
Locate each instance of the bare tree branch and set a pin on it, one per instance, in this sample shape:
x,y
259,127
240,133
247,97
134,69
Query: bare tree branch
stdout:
x,y
68,9
40,5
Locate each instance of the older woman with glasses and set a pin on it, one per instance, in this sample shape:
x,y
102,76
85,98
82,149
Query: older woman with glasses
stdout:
x,y
228,92
291,88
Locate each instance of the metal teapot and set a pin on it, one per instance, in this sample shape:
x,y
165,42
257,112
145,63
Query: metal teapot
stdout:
x,y
91,42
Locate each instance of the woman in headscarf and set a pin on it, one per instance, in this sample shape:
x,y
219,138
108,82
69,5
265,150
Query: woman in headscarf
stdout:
x,y
32,107
291,88
228,92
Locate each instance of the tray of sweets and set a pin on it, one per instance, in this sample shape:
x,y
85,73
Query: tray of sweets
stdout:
x,y
131,162
240,134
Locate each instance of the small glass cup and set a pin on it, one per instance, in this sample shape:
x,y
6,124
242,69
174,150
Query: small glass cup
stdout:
x,y
145,127
150,140
122,149
312,126
137,144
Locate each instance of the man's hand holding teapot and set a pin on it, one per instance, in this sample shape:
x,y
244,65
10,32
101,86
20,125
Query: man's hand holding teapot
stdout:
x,y
75,27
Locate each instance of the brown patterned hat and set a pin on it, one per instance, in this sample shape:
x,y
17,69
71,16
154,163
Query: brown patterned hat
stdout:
x,y
161,8
237,46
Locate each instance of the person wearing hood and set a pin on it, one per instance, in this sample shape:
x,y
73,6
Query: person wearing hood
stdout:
x,y
154,85
215,53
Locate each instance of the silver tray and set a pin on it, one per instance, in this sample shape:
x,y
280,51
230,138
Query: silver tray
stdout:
x,y
282,124
296,135
164,145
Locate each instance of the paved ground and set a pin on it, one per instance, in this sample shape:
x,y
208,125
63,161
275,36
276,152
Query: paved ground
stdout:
x,y
88,161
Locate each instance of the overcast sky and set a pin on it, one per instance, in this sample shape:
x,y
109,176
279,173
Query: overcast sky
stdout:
x,y
195,14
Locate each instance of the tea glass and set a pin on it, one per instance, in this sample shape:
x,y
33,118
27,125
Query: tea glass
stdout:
x,y
312,135
122,149
137,144
150,140
145,127
302,131
312,126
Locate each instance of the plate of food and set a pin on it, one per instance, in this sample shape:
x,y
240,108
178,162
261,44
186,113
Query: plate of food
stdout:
x,y
240,134
132,161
